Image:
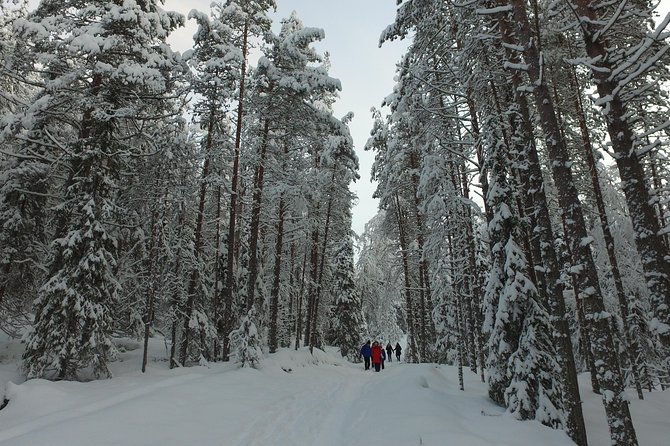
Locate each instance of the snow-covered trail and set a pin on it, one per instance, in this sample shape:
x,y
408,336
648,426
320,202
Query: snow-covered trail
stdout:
x,y
295,399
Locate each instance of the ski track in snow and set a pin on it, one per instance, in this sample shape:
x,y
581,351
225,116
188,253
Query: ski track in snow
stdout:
x,y
321,401
91,408
312,416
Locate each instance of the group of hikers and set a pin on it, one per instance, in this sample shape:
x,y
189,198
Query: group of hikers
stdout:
x,y
375,353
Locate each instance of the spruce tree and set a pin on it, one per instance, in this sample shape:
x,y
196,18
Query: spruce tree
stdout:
x,y
107,69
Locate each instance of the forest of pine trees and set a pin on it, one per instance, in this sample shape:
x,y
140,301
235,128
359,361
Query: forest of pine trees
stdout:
x,y
521,171
146,192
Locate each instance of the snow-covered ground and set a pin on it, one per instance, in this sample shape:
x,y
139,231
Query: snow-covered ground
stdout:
x,y
295,399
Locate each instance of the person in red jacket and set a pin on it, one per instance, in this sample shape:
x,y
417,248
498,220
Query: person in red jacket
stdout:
x,y
376,356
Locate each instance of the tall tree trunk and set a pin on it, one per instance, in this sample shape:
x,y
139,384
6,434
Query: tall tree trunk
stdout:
x,y
609,376
256,218
632,347
229,317
274,294
648,240
197,246
319,285
273,340
150,297
484,184
176,304
471,291
426,302
311,288
292,301
404,252
460,318
217,279
543,252
298,319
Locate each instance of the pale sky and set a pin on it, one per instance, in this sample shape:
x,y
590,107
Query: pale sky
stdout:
x,y
352,29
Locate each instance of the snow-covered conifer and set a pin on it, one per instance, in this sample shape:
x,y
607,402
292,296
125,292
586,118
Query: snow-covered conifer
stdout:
x,y
245,344
106,69
348,321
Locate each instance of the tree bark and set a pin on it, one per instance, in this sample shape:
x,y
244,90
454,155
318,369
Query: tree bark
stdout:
x,y
298,319
648,240
543,253
150,297
229,317
197,246
632,347
274,294
319,284
256,218
424,284
609,372
411,341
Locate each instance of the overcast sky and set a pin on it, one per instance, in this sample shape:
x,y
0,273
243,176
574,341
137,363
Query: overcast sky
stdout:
x,y
366,71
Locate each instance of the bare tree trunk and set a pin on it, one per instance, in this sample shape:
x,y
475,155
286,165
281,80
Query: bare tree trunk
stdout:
x,y
279,246
176,304
471,291
460,317
292,301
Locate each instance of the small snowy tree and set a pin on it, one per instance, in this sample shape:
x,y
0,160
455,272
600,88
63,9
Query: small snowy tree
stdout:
x,y
245,344
533,392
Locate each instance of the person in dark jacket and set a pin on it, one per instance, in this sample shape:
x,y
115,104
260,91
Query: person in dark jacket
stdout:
x,y
389,352
398,349
366,352
383,357
376,356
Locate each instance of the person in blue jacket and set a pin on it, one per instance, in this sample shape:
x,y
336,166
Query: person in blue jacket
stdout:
x,y
366,352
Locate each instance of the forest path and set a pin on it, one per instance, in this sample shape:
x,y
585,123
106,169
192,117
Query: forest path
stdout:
x,y
294,399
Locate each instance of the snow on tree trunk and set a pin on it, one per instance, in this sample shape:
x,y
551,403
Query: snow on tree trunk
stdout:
x,y
610,378
634,181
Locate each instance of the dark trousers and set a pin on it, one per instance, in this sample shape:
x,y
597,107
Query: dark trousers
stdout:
x,y
378,366
397,355
367,363
389,355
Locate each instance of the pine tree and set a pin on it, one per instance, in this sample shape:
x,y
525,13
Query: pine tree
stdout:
x,y
217,63
248,18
